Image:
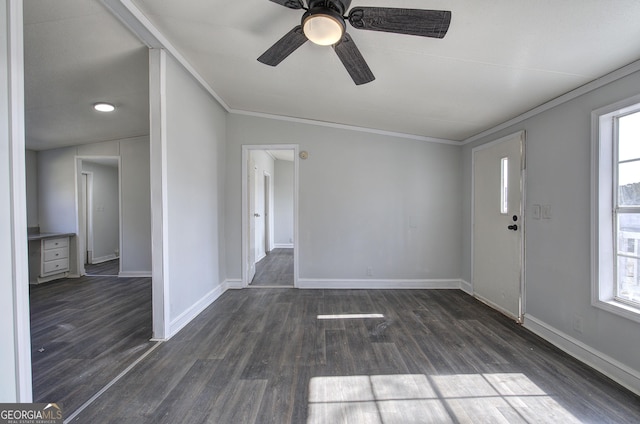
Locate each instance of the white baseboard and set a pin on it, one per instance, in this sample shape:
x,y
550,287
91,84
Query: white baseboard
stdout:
x,y
466,287
102,259
283,246
57,276
185,318
495,306
233,284
371,284
610,367
133,274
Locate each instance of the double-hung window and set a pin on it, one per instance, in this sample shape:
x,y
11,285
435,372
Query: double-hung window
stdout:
x,y
627,207
615,241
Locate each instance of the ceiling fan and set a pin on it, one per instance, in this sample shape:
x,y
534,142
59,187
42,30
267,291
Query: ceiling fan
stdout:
x,y
323,23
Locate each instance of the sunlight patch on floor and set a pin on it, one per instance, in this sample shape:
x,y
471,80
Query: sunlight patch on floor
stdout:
x,y
350,316
417,398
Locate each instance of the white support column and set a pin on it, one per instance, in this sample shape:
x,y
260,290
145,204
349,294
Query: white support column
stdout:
x,y
159,220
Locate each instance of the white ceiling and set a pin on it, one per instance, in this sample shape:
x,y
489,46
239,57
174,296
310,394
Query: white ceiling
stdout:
x,y
76,54
498,60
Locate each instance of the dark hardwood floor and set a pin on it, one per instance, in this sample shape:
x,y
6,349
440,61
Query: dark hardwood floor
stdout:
x,y
302,356
111,268
84,332
275,269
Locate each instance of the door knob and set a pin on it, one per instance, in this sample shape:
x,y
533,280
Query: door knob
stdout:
x,y
257,215
513,227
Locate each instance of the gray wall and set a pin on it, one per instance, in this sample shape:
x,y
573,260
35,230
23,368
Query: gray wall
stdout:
x,y
195,134
57,202
136,208
105,210
366,200
558,249
283,202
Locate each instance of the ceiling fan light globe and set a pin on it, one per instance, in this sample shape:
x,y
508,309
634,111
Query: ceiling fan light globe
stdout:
x,y
323,29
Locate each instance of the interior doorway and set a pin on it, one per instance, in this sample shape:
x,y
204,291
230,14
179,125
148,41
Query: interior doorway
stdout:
x,y
269,216
99,229
498,224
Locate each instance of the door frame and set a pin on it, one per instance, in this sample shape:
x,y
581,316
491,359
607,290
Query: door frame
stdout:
x,y
268,208
85,213
80,231
246,149
523,174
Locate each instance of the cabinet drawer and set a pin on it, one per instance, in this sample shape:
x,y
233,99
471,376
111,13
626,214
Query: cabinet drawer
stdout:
x,y
59,265
55,243
53,254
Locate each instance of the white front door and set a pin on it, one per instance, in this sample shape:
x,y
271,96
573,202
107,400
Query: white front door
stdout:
x,y
498,224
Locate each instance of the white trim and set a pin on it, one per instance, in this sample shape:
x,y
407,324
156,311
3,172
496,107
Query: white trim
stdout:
x,y
233,283
584,89
483,146
617,371
466,287
370,284
159,202
283,246
40,280
89,220
245,205
143,28
134,274
345,127
497,307
194,310
602,274
16,131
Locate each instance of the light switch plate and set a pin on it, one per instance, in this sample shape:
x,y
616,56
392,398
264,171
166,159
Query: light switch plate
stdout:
x,y
536,212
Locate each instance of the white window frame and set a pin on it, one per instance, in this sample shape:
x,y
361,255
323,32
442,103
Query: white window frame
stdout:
x,y
603,195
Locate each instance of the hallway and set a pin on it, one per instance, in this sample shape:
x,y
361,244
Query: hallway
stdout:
x,y
275,270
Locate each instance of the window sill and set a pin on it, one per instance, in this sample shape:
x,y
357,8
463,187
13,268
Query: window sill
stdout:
x,y
619,308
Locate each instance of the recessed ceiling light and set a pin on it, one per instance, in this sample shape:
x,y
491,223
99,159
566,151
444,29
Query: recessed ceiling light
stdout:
x,y
104,107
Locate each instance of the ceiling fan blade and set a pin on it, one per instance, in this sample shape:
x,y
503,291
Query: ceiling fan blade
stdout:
x,y
352,59
283,47
425,23
291,4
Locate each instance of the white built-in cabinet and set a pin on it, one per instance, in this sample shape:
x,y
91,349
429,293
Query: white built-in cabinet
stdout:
x,y
48,258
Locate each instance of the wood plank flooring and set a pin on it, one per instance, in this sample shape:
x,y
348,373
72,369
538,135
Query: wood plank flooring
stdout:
x,y
111,268
300,356
275,269
84,332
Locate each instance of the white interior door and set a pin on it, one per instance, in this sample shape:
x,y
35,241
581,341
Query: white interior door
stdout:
x,y
498,224
258,216
251,178
267,215
84,208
